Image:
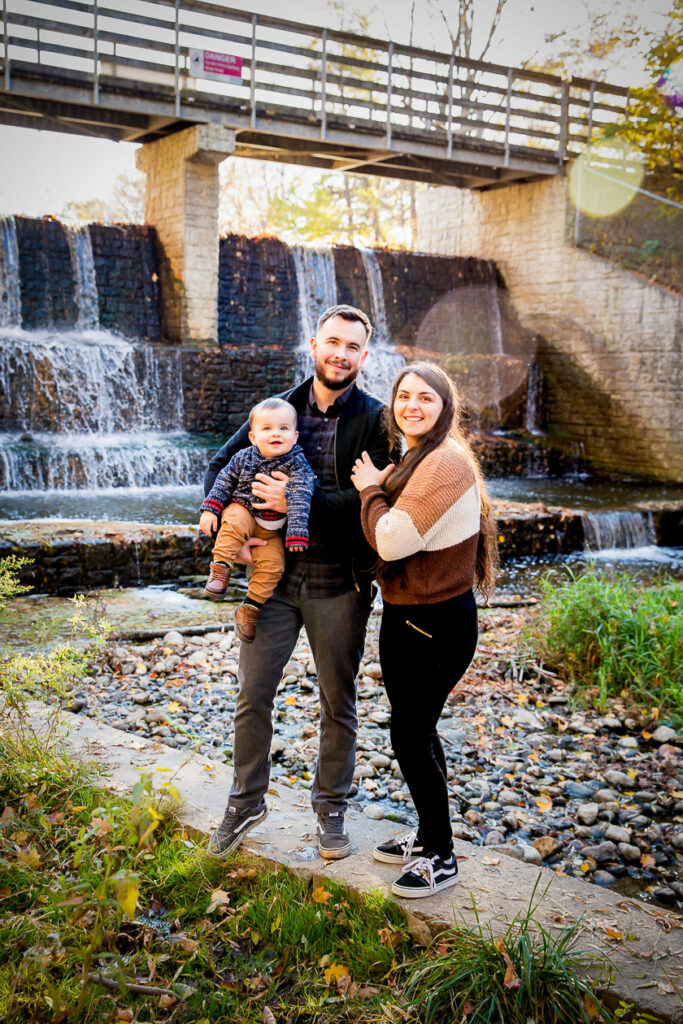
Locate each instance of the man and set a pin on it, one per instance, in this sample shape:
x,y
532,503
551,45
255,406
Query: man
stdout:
x,y
327,589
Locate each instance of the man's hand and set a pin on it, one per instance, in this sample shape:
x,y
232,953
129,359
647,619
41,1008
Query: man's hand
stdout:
x,y
244,554
208,523
271,489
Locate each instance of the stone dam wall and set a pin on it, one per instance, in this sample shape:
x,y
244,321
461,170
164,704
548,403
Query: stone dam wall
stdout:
x,y
608,342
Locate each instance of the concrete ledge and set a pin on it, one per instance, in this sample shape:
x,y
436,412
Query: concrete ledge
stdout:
x,y
646,967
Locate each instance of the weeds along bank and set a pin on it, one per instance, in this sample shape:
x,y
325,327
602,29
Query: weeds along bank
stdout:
x,y
108,911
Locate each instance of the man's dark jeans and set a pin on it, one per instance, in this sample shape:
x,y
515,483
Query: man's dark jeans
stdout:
x,y
336,632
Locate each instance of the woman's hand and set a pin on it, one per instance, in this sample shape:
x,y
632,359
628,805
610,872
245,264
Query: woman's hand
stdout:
x,y
364,474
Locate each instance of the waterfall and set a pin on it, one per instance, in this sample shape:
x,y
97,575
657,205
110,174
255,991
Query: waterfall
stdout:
x,y
90,382
10,297
317,285
383,361
534,396
83,266
42,462
619,529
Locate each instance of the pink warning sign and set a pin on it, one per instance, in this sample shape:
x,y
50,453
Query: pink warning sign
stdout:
x,y
210,64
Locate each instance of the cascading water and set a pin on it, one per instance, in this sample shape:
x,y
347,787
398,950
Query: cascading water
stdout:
x,y
317,284
10,296
83,265
383,361
534,397
618,529
90,410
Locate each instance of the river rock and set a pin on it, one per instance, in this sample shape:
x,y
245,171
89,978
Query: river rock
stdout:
x,y
173,638
135,716
294,668
618,834
531,855
156,715
677,841
620,779
462,831
374,812
631,854
601,852
380,761
494,838
588,813
603,877
527,719
547,846
630,742
578,789
664,734
516,852
141,698
509,798
374,670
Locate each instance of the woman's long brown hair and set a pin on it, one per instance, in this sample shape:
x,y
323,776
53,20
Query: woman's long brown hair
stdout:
x,y
447,425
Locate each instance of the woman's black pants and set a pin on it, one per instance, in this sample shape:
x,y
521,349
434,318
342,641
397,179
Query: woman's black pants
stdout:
x,y
424,651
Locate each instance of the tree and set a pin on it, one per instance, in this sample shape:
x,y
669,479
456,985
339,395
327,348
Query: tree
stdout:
x,y
126,205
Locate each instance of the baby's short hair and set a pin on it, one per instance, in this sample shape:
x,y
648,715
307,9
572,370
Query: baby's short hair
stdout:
x,y
271,403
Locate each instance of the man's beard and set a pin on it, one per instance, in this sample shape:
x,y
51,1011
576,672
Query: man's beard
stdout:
x,y
332,384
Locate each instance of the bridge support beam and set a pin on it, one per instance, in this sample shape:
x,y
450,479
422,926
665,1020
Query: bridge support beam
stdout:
x,y
182,204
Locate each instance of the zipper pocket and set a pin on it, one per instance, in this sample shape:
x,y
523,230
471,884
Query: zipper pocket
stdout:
x,y
418,630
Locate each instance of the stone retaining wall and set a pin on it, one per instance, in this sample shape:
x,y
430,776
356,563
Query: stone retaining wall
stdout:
x,y
609,342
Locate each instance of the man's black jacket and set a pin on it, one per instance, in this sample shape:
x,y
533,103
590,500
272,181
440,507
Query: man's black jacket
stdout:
x,y
335,515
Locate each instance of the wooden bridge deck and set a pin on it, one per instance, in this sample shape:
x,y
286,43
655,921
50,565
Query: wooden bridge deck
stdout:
x,y
128,70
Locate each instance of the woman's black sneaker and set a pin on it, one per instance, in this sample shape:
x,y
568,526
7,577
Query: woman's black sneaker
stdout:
x,y
400,850
426,876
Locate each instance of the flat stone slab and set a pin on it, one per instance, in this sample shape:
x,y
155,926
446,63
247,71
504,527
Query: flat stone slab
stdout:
x,y
643,943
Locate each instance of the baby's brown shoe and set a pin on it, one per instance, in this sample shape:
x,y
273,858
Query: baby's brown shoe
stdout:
x,y
246,618
217,583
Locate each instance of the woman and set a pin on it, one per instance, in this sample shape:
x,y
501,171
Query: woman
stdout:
x,y
429,520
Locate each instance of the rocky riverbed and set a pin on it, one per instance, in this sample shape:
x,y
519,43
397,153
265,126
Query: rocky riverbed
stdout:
x,y
532,776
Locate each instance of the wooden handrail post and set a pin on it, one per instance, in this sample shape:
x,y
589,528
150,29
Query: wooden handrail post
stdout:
x,y
589,132
451,76
95,66
508,104
252,90
390,57
5,39
564,117
177,58
323,90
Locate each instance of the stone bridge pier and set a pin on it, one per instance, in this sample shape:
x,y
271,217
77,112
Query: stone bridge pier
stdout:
x,y
182,204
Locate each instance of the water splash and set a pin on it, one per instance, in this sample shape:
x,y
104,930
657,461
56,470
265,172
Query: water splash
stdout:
x,y
83,266
373,276
618,529
88,382
317,284
10,293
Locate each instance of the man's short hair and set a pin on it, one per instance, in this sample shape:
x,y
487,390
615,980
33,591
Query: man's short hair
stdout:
x,y
346,313
271,403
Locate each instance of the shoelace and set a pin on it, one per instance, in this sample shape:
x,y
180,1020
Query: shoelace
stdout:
x,y
407,841
423,867
331,824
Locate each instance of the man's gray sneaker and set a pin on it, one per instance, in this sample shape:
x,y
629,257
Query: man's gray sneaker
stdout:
x,y
333,841
233,829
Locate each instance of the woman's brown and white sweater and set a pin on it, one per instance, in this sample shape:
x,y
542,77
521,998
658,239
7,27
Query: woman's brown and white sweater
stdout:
x,y
427,541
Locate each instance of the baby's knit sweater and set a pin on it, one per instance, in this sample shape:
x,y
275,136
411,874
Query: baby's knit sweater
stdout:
x,y
427,541
234,484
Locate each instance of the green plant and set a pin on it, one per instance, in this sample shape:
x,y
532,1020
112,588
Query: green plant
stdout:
x,y
613,637
526,973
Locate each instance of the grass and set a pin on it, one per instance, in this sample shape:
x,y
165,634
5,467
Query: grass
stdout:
x,y
614,638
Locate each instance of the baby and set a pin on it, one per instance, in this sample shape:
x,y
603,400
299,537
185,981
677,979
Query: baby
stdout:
x,y
273,437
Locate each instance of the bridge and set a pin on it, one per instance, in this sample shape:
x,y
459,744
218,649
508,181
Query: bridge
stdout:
x,y
136,71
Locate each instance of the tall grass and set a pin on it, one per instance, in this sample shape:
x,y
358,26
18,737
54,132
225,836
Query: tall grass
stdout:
x,y
614,637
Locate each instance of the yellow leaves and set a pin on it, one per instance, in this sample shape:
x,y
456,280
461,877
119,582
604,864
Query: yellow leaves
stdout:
x,y
338,975
614,934
102,826
647,861
127,892
243,873
219,898
290,700
590,1006
321,895
29,858
522,698
501,538
544,804
173,706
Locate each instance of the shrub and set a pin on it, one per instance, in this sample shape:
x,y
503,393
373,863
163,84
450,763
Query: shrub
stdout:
x,y
614,637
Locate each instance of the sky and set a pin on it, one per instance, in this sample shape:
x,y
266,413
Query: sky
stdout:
x,y
40,172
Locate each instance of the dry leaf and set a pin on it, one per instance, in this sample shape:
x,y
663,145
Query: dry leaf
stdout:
x,y
590,1006
490,860
219,898
188,945
243,873
321,895
268,1016
29,858
334,972
614,933
167,1000
544,804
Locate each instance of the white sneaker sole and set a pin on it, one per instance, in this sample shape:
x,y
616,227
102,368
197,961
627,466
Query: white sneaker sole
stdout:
x,y
392,858
339,854
417,894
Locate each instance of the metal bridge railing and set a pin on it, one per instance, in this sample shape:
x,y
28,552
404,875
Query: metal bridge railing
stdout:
x,y
117,52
